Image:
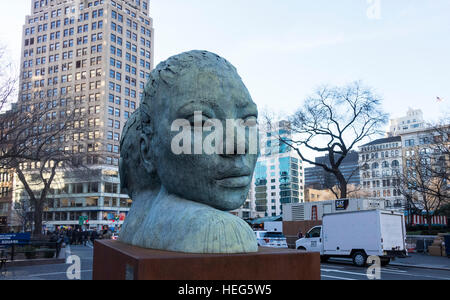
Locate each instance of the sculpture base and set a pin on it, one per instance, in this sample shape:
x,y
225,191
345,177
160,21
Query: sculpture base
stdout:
x,y
114,260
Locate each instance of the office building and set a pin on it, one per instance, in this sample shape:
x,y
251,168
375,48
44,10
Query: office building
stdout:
x,y
279,177
381,166
94,57
413,121
426,159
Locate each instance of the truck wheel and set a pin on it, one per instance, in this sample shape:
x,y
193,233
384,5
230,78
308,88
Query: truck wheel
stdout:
x,y
359,259
385,261
324,258
301,248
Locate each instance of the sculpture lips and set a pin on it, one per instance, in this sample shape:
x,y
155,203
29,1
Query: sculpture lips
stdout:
x,y
235,182
235,178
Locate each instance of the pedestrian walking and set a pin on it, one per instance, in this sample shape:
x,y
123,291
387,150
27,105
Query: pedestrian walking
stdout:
x,y
75,237
79,237
94,236
84,237
59,242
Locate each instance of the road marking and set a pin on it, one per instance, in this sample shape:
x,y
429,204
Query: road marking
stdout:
x,y
391,268
334,267
344,272
426,276
68,251
402,273
335,277
393,271
55,273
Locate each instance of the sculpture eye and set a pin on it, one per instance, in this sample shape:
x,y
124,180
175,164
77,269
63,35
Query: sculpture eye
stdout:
x,y
191,120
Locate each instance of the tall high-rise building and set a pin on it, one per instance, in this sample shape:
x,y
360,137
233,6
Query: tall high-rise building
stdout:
x,y
93,57
279,177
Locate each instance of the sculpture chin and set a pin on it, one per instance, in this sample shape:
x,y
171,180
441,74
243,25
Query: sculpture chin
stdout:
x,y
172,223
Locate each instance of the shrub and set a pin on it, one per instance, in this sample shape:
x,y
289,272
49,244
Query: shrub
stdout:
x,y
49,253
30,252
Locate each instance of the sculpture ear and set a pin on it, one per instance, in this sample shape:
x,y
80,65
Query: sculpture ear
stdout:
x,y
123,177
146,154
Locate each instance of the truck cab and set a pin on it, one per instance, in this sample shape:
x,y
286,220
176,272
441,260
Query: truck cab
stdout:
x,y
312,242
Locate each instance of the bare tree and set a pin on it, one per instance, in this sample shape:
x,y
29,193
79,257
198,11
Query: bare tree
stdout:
x,y
440,149
333,122
8,81
423,184
37,140
23,213
37,143
353,190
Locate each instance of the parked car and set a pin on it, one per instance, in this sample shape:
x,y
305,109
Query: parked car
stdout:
x,y
271,239
358,235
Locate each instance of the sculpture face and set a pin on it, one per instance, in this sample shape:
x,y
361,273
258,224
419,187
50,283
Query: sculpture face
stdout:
x,y
180,197
217,180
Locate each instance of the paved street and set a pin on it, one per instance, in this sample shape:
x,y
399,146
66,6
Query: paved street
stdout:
x,y
344,270
53,272
333,270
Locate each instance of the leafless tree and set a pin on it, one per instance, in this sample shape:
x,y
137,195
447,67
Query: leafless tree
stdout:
x,y
8,81
422,182
39,138
353,190
37,143
23,213
439,149
333,122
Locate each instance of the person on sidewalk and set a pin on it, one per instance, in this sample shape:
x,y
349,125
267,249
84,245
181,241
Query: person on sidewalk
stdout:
x,y
84,237
94,236
59,242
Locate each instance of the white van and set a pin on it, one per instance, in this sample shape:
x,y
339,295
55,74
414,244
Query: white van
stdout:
x,y
358,235
271,239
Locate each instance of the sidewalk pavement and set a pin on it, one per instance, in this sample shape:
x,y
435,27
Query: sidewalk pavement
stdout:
x,y
419,260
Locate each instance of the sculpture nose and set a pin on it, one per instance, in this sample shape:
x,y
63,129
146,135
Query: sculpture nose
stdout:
x,y
239,140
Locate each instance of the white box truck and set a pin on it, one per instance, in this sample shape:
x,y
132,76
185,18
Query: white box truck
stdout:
x,y
358,235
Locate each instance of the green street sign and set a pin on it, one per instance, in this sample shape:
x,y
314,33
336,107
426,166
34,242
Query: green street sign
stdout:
x,y
82,220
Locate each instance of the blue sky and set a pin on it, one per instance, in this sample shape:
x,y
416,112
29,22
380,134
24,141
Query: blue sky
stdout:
x,y
284,49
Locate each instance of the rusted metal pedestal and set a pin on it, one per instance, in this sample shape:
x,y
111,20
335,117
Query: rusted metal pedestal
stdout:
x,y
114,260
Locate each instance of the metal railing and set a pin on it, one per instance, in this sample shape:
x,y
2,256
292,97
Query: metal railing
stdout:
x,y
419,243
10,252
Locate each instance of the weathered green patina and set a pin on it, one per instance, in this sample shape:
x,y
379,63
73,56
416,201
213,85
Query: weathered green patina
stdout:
x,y
182,202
